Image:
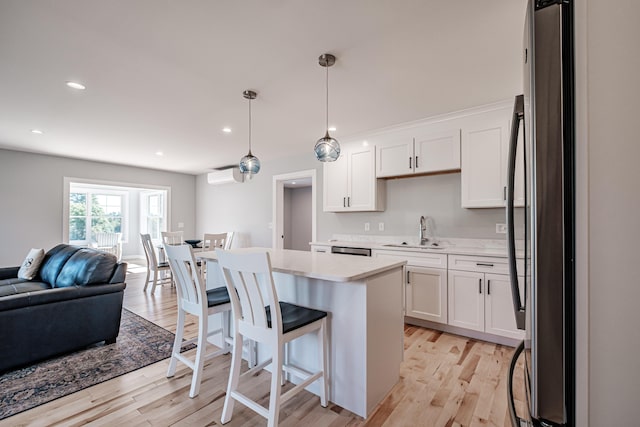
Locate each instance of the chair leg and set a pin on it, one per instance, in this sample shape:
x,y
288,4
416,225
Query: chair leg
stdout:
x,y
276,375
234,378
322,338
286,362
226,320
200,356
177,344
155,281
146,281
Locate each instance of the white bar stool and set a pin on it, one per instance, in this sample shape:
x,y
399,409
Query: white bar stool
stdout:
x,y
260,317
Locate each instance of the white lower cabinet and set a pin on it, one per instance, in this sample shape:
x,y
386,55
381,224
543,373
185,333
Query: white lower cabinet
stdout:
x,y
426,294
425,283
482,302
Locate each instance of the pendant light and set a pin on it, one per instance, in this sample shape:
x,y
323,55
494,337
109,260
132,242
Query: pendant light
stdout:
x,y
249,164
327,149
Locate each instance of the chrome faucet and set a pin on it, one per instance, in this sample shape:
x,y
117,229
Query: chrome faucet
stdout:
x,y
422,229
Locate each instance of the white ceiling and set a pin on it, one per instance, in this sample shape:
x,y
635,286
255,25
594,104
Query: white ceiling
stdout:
x,y
168,75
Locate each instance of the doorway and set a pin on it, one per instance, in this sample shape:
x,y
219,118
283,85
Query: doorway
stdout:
x,y
294,210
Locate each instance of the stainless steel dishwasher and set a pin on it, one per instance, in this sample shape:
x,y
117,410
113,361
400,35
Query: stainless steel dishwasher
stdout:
x,y
345,250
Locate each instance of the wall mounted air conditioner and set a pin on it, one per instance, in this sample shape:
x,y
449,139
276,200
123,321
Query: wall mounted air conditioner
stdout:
x,y
225,176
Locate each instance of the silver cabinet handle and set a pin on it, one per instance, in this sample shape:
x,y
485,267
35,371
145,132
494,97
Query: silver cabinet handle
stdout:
x,y
484,264
416,162
409,162
488,287
408,280
348,201
479,286
344,202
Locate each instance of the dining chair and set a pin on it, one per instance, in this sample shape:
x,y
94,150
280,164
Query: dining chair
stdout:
x,y
153,265
273,325
212,241
172,237
195,299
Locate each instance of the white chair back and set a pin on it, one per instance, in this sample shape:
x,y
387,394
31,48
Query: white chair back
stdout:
x,y
149,252
213,241
192,292
172,237
243,273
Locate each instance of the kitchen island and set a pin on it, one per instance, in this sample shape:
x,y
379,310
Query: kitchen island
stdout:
x,y
363,297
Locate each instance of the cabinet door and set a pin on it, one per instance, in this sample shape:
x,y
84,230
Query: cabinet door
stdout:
x,y
426,294
335,180
361,183
466,299
499,316
436,152
394,158
484,165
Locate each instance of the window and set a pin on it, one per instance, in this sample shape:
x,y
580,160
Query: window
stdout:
x,y
94,210
153,218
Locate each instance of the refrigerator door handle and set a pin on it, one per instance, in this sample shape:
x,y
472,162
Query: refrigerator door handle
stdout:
x,y
518,116
515,421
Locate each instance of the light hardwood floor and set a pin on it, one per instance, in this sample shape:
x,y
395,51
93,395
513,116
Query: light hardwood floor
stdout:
x,y
446,380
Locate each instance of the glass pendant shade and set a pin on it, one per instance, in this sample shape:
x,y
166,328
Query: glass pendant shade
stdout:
x,y
250,164
327,149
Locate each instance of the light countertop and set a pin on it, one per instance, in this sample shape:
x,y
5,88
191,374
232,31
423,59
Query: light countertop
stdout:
x,y
323,266
475,247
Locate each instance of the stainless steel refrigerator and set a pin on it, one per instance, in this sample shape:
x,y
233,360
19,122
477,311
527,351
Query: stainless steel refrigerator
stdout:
x,y
544,115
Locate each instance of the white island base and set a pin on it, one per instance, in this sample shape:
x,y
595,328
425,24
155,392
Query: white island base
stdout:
x,y
365,325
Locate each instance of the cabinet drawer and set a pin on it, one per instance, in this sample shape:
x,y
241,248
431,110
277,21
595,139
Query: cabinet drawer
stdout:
x,y
496,265
419,259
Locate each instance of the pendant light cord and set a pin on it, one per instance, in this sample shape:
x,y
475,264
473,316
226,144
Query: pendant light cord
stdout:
x,y
249,125
327,67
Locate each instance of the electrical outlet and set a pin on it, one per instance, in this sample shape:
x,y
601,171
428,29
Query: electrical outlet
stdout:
x,y
181,225
381,226
501,228
367,226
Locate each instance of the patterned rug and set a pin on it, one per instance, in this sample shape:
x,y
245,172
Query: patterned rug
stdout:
x,y
139,344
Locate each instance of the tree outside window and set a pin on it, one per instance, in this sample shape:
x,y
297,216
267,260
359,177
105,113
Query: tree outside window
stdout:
x,y
91,213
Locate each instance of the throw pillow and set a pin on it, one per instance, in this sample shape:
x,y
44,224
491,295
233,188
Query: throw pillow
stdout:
x,y
31,264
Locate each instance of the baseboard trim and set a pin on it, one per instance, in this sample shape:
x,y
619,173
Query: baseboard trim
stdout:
x,y
461,331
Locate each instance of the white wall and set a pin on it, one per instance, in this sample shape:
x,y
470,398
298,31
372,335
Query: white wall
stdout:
x,y
612,92
31,191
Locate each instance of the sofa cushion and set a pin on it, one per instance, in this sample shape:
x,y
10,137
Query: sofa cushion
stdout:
x,y
31,264
11,281
22,288
54,260
86,267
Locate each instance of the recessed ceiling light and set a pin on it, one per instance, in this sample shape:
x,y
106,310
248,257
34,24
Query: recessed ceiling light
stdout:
x,y
226,130
332,129
159,153
365,143
76,85
37,131
293,183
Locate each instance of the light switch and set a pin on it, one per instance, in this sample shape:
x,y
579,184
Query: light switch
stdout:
x,y
381,226
367,226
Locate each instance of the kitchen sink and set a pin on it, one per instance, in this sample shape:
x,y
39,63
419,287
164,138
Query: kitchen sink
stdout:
x,y
404,245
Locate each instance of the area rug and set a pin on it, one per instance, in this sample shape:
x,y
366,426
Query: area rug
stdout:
x,y
140,343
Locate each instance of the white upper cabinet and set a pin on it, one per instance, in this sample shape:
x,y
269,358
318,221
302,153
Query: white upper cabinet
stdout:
x,y
437,151
350,183
420,150
485,151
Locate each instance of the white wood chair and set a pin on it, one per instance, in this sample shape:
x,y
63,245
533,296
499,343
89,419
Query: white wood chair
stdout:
x,y
153,265
172,237
213,241
195,299
261,317
108,242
